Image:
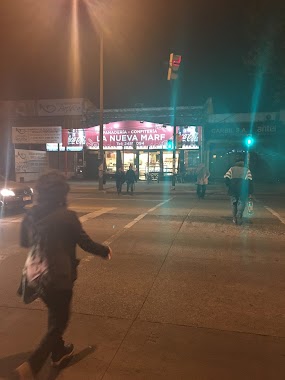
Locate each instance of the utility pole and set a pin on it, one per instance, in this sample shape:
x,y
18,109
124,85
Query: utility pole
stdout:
x,y
172,75
101,133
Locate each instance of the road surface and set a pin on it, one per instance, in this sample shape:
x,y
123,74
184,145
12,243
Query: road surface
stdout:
x,y
187,295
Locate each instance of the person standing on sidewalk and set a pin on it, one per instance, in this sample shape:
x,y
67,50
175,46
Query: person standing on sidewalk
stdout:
x,y
58,231
203,175
239,181
131,179
120,179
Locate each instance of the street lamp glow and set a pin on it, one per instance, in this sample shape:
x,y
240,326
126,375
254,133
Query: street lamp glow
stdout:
x,y
75,77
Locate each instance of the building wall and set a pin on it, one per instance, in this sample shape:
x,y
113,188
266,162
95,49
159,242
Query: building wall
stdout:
x,y
224,139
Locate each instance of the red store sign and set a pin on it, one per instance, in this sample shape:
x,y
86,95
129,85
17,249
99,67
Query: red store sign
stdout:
x,y
126,133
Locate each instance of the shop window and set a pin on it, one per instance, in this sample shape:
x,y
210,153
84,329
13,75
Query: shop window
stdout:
x,y
110,158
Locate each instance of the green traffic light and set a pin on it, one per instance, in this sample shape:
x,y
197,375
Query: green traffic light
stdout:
x,y
249,141
169,145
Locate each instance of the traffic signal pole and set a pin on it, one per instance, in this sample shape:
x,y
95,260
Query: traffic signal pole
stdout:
x,y
249,142
247,158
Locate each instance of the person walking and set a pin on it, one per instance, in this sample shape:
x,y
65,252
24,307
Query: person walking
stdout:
x,y
120,179
130,179
58,231
240,187
202,180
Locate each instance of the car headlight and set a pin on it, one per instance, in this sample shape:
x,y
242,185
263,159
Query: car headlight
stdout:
x,y
7,193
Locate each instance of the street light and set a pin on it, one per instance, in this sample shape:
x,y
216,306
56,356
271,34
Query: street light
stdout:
x,y
101,132
93,9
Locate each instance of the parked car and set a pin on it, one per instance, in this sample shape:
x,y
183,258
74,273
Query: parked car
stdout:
x,y
14,195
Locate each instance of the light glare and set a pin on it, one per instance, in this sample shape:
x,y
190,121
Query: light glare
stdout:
x,y
7,193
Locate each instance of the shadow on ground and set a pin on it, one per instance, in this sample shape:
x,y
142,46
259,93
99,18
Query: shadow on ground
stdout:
x,y
10,363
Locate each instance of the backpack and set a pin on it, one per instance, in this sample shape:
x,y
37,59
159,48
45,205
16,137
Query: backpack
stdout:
x,y
35,274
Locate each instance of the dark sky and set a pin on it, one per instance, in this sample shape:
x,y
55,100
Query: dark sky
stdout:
x,y
210,35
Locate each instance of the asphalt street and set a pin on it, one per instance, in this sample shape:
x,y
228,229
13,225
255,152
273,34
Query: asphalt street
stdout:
x,y
187,294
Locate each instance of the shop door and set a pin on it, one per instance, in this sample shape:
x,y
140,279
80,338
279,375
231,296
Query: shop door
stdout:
x,y
92,164
128,159
149,162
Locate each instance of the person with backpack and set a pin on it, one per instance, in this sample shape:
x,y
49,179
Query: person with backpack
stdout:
x,y
240,187
55,231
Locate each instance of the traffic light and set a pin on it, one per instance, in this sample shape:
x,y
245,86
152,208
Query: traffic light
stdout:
x,y
249,141
169,145
174,64
179,141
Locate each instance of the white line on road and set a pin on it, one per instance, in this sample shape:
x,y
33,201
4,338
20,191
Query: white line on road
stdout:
x,y
84,218
95,214
282,220
118,199
133,222
138,218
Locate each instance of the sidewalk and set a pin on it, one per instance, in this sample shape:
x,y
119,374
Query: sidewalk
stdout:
x,y
142,187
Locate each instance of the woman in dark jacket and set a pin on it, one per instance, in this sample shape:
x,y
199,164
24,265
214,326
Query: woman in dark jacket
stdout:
x,y
58,231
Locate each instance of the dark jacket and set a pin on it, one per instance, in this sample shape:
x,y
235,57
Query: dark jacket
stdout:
x,y
59,231
120,177
131,176
239,180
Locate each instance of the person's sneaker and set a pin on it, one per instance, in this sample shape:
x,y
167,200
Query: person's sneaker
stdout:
x,y
235,220
56,360
24,372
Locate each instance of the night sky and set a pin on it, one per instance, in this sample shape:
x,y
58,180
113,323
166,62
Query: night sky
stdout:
x,y
211,36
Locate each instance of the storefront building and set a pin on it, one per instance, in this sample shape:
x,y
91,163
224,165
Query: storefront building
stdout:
x,y
225,136
138,136
144,145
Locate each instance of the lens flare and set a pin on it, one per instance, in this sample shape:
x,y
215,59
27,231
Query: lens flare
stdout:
x,y
75,70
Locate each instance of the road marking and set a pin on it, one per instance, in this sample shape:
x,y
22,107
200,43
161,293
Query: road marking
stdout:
x,y
282,220
84,218
133,222
95,214
118,199
5,252
160,204
137,219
